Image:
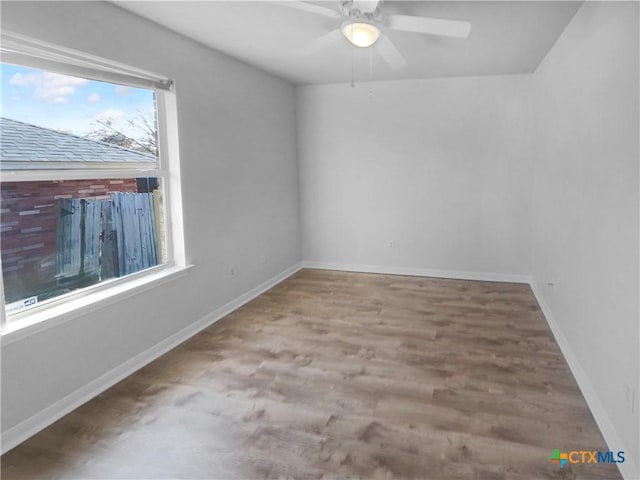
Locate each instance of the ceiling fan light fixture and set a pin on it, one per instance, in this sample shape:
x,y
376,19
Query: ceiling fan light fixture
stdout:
x,y
361,34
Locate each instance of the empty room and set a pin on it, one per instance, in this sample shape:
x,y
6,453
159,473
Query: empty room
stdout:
x,y
366,239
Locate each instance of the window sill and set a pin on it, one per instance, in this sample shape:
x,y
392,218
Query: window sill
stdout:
x,y
49,316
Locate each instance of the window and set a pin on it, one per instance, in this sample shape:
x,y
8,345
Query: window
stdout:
x,y
89,184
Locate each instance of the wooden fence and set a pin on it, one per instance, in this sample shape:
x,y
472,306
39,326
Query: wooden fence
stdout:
x,y
101,239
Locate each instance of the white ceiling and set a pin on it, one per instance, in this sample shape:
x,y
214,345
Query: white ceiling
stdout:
x,y
507,37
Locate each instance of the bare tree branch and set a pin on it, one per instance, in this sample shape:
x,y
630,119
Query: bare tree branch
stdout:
x,y
148,141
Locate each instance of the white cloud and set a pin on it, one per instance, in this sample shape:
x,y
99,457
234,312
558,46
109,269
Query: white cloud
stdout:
x,y
21,80
93,98
49,87
123,91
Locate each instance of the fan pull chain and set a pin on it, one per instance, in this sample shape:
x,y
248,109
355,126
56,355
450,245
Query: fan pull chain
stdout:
x,y
353,83
370,73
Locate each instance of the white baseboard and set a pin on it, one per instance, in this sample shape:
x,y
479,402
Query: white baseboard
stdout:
x,y
29,427
419,272
628,469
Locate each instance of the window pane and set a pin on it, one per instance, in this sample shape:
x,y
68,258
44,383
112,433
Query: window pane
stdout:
x,y
60,236
52,121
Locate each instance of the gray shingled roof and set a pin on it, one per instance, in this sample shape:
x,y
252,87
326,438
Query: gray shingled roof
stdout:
x,y
21,142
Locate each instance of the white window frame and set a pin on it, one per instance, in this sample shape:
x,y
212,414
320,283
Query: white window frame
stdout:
x,y
21,50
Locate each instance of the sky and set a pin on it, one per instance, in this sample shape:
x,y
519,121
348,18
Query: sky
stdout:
x,y
69,104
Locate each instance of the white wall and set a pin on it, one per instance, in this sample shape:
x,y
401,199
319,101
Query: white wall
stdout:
x,y
237,141
441,167
585,207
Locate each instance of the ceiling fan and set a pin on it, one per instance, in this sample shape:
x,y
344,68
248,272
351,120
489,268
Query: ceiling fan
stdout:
x,y
364,25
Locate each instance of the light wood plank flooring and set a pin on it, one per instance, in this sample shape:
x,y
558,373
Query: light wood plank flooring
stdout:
x,y
333,374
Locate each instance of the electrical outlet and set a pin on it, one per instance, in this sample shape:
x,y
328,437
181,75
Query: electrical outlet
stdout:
x,y
630,396
232,271
392,244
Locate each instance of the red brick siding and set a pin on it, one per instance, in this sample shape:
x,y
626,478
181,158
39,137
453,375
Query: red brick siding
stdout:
x,y
28,220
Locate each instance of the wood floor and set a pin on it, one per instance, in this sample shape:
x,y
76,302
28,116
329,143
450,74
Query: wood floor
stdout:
x,y
336,375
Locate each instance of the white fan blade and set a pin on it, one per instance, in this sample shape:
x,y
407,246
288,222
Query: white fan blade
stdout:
x,y
310,7
390,53
320,43
429,25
